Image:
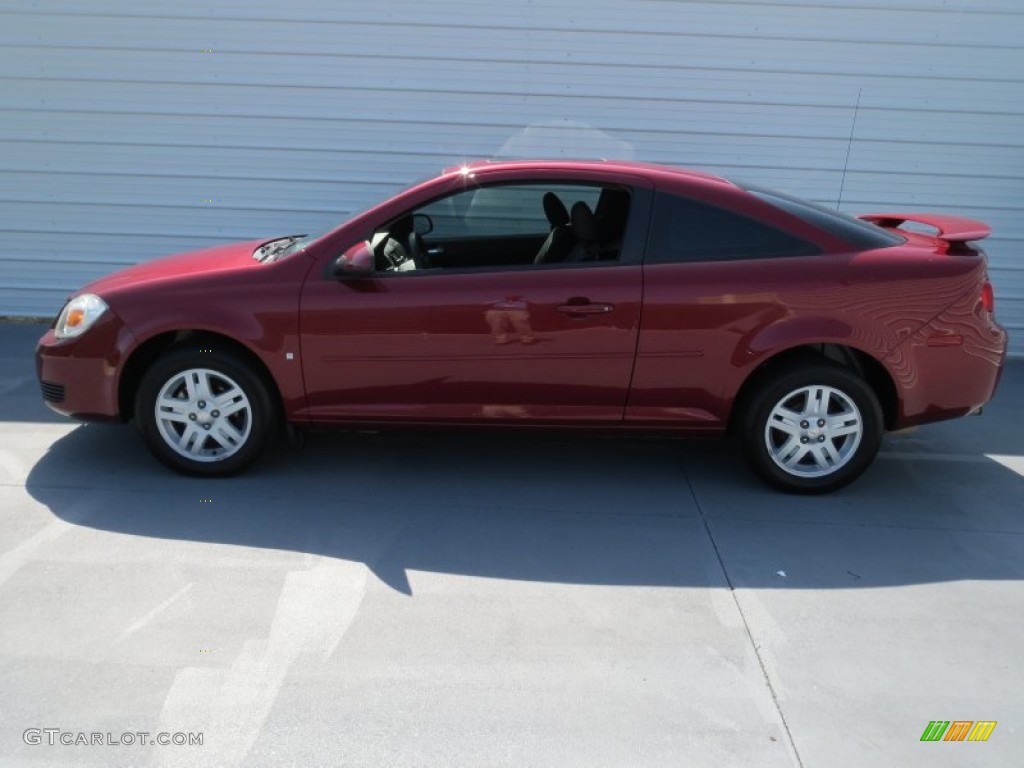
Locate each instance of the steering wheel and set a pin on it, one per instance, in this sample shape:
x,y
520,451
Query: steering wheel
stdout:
x,y
417,252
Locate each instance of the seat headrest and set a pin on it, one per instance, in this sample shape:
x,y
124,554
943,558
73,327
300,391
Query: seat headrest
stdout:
x,y
584,225
555,210
612,212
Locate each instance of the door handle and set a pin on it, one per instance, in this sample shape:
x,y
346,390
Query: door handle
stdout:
x,y
436,250
580,310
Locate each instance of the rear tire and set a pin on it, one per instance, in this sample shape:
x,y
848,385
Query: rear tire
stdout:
x,y
204,411
812,428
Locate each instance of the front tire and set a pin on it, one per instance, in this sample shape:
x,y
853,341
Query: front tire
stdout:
x,y
205,411
812,428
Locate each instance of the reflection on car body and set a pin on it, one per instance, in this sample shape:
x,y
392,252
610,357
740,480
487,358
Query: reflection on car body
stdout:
x,y
509,320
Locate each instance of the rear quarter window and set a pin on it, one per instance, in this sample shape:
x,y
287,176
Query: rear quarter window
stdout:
x,y
860,234
685,230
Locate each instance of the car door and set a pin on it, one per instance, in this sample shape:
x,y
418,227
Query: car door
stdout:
x,y
551,343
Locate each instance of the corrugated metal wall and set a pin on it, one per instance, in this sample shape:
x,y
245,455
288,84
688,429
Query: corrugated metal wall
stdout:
x,y
131,129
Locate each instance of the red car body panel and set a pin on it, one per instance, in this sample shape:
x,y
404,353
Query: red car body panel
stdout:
x,y
647,346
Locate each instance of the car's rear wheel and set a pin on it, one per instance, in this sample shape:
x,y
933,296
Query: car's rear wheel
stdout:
x,y
812,428
204,411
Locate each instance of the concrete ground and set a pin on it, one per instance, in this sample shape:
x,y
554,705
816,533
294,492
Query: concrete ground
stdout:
x,y
506,601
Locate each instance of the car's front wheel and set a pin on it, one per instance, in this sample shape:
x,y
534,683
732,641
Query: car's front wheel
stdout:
x,y
204,411
812,428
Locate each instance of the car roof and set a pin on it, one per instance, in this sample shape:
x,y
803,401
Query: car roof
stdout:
x,y
621,166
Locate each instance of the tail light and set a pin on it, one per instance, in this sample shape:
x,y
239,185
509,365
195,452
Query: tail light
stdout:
x,y
988,297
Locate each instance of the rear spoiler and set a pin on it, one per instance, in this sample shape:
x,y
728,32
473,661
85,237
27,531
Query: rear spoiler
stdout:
x,y
952,229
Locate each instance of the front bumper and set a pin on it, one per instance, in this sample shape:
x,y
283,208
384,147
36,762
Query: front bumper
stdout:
x,y
79,377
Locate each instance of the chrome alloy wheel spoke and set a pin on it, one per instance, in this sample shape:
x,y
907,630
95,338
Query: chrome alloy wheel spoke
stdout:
x,y
231,402
191,441
786,420
225,433
172,409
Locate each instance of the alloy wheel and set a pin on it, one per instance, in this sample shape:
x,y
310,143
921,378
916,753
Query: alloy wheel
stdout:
x,y
813,431
203,415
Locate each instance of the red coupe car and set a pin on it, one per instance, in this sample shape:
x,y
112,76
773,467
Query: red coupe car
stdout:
x,y
584,295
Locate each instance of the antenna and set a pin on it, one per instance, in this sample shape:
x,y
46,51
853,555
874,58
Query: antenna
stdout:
x,y
849,146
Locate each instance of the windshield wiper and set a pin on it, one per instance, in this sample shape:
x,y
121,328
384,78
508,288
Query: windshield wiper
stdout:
x,y
275,249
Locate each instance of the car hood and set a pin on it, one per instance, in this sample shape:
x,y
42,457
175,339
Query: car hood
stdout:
x,y
181,267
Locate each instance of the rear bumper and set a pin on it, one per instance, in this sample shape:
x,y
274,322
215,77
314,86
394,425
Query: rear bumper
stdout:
x,y
947,370
79,377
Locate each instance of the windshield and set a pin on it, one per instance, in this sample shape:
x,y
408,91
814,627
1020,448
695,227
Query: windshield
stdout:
x,y
298,242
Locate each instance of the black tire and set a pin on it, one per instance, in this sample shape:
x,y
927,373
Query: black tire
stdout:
x,y
776,390
231,442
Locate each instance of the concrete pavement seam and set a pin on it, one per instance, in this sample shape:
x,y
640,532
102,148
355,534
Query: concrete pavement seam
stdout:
x,y
743,617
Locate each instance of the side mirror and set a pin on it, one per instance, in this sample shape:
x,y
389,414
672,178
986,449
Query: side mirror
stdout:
x,y
422,224
356,261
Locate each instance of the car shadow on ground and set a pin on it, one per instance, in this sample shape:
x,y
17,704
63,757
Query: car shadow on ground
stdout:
x,y
574,510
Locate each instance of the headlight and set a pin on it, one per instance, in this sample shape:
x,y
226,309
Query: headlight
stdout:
x,y
79,314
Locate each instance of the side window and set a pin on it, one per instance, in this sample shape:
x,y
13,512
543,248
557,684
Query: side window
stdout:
x,y
502,211
685,230
508,225
858,233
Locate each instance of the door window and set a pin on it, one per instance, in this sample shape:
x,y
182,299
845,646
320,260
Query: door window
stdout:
x,y
504,211
509,225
